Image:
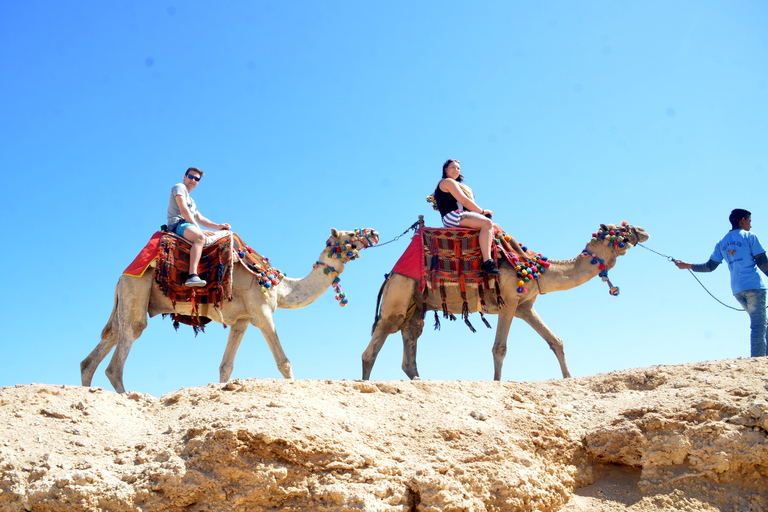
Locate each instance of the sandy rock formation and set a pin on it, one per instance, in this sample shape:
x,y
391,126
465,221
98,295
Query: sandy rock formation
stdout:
x,y
685,438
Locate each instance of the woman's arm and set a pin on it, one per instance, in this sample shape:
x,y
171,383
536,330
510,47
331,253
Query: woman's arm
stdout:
x,y
452,187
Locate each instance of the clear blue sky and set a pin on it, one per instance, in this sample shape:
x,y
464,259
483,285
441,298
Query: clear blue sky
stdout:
x,y
312,115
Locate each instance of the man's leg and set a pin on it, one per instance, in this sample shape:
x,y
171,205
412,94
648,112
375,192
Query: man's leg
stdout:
x,y
754,304
195,235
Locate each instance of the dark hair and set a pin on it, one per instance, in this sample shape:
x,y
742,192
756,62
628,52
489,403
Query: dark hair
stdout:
x,y
195,169
446,164
737,215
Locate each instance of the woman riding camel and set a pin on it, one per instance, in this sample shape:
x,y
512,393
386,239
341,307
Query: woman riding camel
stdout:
x,y
458,209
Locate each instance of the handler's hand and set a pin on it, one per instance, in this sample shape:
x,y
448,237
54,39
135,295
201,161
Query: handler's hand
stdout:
x,y
682,265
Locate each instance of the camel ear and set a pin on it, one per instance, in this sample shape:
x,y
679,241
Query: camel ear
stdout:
x,y
334,233
604,227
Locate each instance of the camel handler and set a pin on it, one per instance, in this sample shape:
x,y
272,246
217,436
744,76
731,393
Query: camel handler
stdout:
x,y
744,254
185,221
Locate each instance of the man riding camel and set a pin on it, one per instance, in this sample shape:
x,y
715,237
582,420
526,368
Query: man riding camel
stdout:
x,y
185,220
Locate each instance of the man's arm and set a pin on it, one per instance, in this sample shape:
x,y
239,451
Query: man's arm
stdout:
x,y
185,212
210,224
762,262
702,267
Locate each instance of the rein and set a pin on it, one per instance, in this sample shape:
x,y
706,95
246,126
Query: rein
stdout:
x,y
673,260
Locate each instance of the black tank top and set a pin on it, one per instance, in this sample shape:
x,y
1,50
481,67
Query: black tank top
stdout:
x,y
446,203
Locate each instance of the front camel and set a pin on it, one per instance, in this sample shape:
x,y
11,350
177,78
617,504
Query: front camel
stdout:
x,y
137,297
402,305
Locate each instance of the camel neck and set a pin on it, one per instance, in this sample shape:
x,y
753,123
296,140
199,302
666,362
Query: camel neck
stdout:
x,y
568,274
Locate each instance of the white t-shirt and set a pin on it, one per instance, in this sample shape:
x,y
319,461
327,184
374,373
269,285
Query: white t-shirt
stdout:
x,y
174,213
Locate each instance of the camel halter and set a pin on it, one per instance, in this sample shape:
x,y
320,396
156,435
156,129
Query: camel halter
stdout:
x,y
616,239
346,252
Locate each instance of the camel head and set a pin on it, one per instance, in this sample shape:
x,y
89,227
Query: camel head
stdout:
x,y
614,239
345,245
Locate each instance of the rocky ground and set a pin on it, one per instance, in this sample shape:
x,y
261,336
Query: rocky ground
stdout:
x,y
667,438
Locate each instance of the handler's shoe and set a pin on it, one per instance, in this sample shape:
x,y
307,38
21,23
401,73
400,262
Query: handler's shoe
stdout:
x,y
490,268
194,282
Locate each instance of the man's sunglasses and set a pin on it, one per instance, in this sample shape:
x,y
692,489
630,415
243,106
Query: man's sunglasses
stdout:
x,y
193,177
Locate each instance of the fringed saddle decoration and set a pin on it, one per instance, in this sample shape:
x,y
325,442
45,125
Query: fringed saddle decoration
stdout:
x,y
215,268
529,270
257,265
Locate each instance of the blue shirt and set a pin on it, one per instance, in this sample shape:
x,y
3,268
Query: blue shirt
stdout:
x,y
738,248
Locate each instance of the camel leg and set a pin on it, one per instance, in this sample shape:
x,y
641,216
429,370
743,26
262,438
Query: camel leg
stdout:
x,y
556,344
236,333
500,344
108,340
397,295
266,325
411,333
130,321
130,330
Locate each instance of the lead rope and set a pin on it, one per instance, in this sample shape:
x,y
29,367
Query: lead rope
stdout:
x,y
670,258
413,227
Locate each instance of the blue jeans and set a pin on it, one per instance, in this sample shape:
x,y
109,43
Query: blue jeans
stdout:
x,y
754,304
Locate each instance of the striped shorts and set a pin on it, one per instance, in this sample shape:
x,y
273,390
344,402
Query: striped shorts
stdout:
x,y
452,219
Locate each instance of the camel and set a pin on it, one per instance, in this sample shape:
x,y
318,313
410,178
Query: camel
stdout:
x,y
135,297
402,303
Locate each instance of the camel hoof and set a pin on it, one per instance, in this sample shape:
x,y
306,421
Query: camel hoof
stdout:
x,y
286,370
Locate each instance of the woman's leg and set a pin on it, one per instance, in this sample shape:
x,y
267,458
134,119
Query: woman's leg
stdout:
x,y
485,225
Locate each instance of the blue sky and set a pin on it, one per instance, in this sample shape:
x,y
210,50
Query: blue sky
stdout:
x,y
312,115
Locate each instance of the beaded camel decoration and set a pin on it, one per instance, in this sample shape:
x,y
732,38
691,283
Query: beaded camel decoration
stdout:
x,y
402,305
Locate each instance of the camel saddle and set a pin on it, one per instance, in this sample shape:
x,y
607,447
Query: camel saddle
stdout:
x,y
169,253
437,256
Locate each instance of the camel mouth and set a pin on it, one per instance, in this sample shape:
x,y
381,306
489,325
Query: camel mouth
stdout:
x,y
367,237
640,235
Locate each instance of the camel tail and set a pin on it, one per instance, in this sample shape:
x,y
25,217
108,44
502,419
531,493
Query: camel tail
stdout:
x,y
378,304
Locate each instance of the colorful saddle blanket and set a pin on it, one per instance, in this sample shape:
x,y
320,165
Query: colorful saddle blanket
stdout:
x,y
437,256
215,268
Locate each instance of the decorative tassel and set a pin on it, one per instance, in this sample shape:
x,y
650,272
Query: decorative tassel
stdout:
x,y
464,305
437,322
442,296
433,265
483,306
482,317
452,318
499,299
466,321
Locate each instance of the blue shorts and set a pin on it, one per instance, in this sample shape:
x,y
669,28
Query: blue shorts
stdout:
x,y
181,228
